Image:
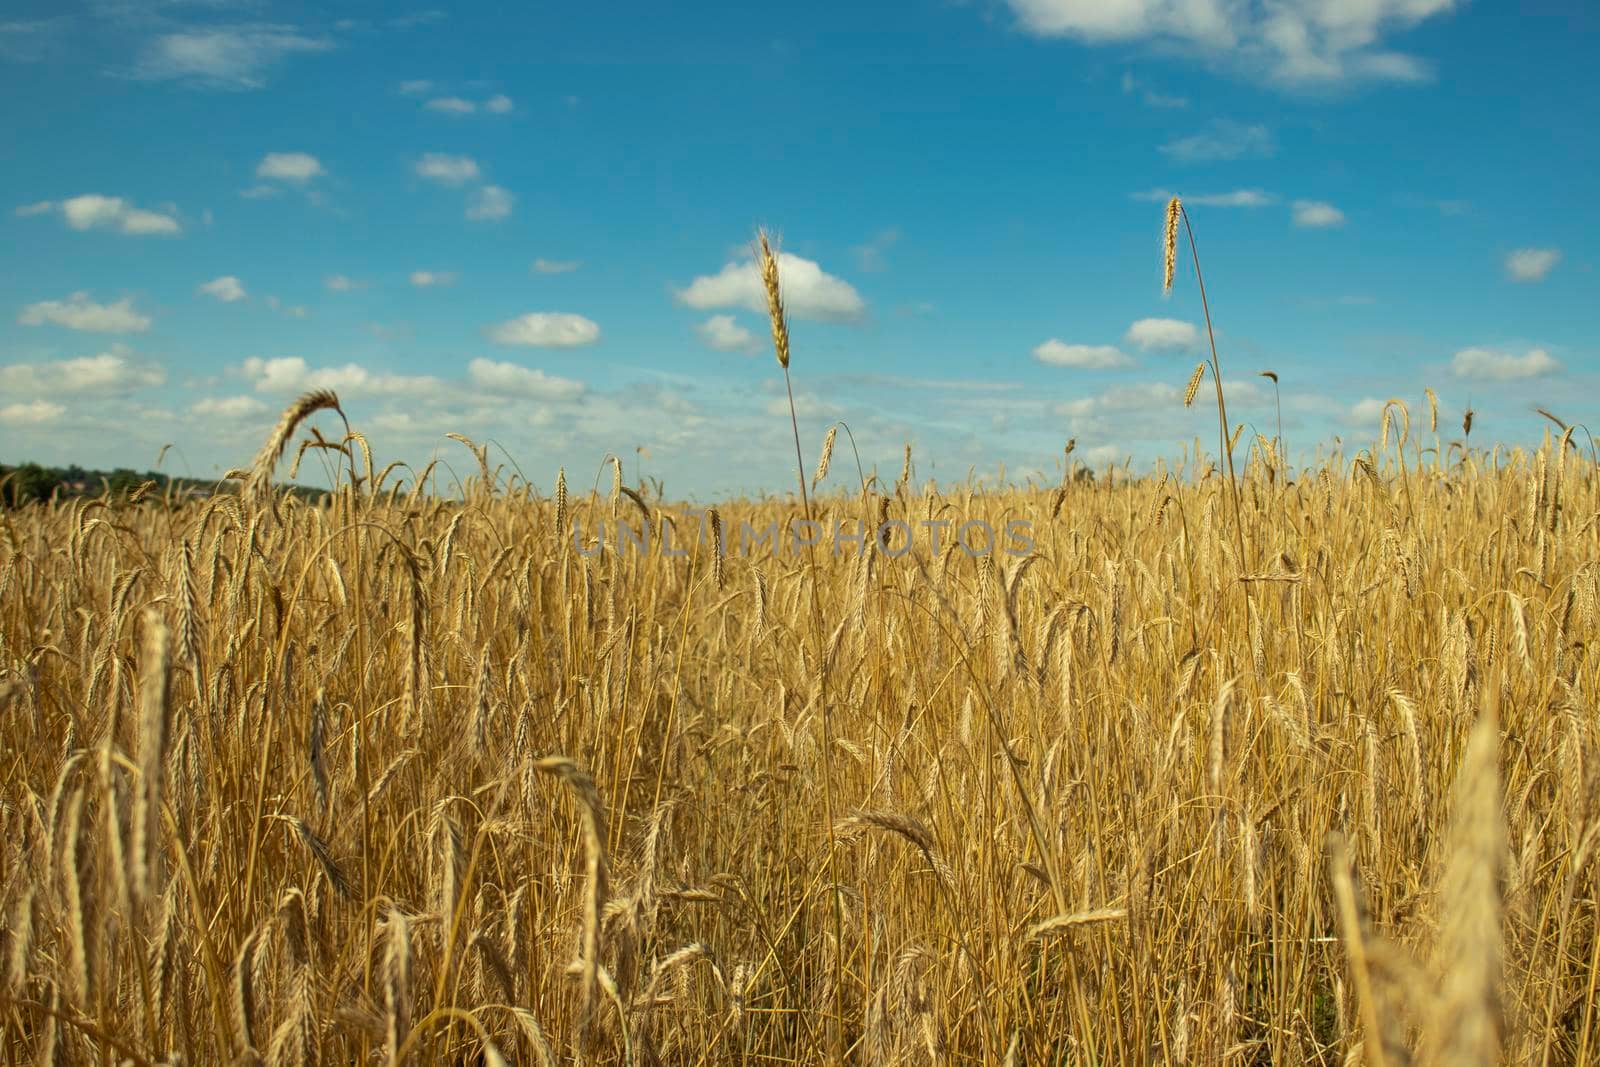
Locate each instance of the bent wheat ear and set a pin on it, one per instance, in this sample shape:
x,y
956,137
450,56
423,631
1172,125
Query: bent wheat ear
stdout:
x,y
769,281
827,455
267,459
1194,384
1170,243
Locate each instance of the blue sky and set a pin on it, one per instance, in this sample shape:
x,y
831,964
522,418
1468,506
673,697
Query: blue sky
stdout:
x,y
533,226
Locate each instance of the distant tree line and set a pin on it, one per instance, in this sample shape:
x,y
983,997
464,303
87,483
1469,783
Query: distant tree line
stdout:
x,y
31,482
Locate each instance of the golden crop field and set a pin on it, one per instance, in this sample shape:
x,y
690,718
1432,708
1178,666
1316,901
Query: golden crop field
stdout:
x,y
1299,766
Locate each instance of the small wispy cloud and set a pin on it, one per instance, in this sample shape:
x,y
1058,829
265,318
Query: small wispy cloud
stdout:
x,y
95,212
1531,264
1149,334
79,312
224,57
555,266
724,334
425,278
1494,364
447,169
227,289
296,167
549,329
490,204
1083,357
1317,214
1221,139
1235,198
1133,86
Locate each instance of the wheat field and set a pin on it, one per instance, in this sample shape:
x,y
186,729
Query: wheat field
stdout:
x,y
1287,766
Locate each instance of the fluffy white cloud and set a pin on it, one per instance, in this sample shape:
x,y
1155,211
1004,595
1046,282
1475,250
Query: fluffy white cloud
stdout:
x,y
415,87
725,335
224,57
1236,198
447,169
551,329
1299,42
93,211
511,379
227,289
1086,357
490,204
499,104
289,167
1218,140
424,278
78,312
341,283
1162,333
292,374
1316,214
1531,264
555,266
230,407
33,413
108,373
809,292
1498,365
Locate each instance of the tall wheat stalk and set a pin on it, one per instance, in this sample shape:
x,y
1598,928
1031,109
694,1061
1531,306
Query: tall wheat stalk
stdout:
x,y
1176,213
780,342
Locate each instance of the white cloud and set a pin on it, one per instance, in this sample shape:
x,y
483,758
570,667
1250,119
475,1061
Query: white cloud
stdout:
x,y
415,87
1151,98
555,266
294,311
1101,455
806,406
1367,409
292,374
1531,264
230,407
1499,365
447,169
224,57
33,413
511,379
499,104
1316,214
490,204
111,372
1086,357
873,256
1236,198
1162,333
93,211
227,289
289,167
1221,139
808,291
551,329
722,333
424,278
1294,42
78,312
340,283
